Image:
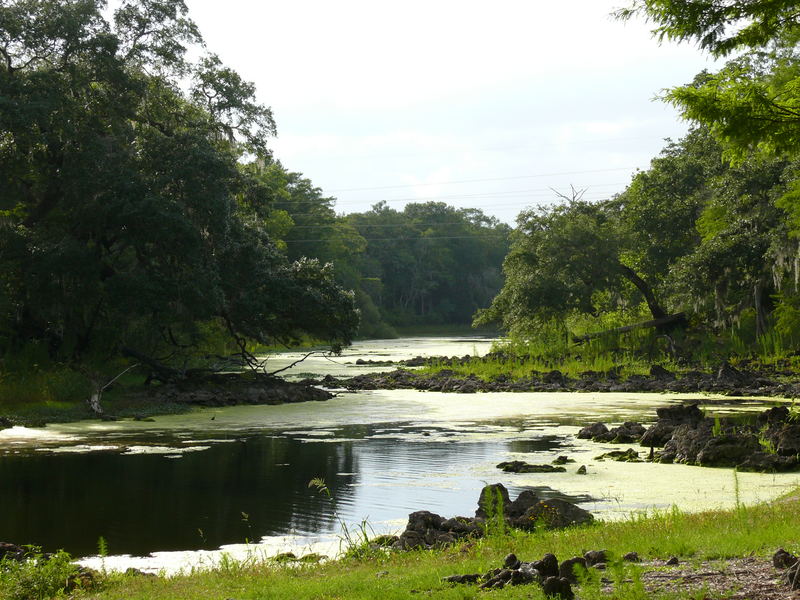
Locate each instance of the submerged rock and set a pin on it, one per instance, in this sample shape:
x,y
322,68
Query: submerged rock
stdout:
x,y
629,455
518,466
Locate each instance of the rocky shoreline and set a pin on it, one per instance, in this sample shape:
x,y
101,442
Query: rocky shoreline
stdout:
x,y
767,442
556,578
726,380
217,390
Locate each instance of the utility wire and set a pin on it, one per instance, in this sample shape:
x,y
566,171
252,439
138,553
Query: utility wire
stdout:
x,y
391,187
526,192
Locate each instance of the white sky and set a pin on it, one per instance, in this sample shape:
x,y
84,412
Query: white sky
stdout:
x,y
475,104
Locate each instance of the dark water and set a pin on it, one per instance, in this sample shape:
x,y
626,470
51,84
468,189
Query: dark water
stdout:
x,y
236,491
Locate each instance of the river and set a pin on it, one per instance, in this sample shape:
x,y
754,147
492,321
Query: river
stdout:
x,y
174,493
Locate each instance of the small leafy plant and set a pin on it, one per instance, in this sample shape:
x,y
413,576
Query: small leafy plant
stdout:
x,y
38,577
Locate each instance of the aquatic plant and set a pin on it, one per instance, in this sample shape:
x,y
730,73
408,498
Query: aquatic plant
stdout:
x,y
354,541
716,429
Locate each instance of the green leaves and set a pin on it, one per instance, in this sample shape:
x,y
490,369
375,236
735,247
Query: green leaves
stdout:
x,y
127,218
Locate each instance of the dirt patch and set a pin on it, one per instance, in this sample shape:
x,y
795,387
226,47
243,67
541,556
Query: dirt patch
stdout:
x,y
734,579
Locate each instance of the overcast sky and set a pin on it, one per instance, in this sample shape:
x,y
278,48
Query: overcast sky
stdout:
x,y
476,104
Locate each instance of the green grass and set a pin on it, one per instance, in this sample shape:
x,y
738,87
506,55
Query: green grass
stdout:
x,y
758,530
518,367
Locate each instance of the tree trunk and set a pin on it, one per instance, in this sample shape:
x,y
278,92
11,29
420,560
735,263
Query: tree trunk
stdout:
x,y
646,290
761,321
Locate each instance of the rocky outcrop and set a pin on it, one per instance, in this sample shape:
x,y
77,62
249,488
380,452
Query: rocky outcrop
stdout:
x,y
556,579
429,530
235,389
670,417
770,443
519,466
726,380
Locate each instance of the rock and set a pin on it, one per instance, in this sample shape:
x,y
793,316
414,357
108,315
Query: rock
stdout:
x,y
423,521
511,562
469,578
571,567
523,502
626,433
144,418
547,566
581,470
686,443
726,450
730,376
518,466
523,577
132,572
783,559
563,460
592,431
555,587
492,497
554,376
553,514
660,373
533,572
383,541
12,551
594,557
673,561
774,416
313,557
5,423
85,579
786,439
498,581
629,455
669,417
632,557
764,462
410,540
285,557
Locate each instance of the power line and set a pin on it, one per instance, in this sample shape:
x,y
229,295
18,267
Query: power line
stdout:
x,y
527,192
521,203
391,187
414,239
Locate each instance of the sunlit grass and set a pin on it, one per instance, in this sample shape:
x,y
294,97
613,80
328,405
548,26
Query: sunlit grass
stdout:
x,y
757,530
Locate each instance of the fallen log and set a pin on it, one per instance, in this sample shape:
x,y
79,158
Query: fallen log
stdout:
x,y
676,319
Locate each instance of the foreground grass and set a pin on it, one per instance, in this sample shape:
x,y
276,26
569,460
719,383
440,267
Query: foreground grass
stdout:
x,y
758,530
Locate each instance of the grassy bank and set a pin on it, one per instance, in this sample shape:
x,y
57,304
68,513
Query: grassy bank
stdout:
x,y
713,536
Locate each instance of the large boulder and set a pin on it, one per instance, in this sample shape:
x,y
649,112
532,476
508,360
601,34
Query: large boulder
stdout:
x,y
726,450
494,497
552,514
592,431
670,417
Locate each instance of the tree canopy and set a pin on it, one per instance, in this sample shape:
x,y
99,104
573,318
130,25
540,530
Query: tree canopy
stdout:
x,y
129,215
691,234
753,102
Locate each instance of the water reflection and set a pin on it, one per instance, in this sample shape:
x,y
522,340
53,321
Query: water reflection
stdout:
x,y
228,493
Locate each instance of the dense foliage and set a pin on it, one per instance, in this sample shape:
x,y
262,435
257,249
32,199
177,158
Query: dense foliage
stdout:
x,y
127,218
693,233
712,227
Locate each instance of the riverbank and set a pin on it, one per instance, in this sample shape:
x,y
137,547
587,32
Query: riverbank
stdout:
x,y
720,554
470,375
135,400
